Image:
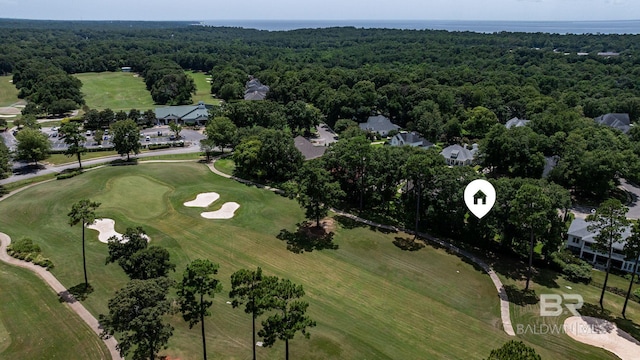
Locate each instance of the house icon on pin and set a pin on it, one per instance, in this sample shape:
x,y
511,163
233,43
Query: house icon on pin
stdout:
x,y
479,196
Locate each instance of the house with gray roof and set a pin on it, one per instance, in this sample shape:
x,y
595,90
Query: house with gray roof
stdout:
x,y
515,122
457,155
618,121
379,124
411,139
308,150
183,115
255,90
580,241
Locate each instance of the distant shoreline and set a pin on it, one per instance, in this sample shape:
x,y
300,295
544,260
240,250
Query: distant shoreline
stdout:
x,y
480,26
578,27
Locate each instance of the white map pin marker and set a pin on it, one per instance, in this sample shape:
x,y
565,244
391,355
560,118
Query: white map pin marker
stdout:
x,y
480,196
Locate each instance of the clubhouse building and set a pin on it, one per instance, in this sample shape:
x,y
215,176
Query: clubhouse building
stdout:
x,y
183,115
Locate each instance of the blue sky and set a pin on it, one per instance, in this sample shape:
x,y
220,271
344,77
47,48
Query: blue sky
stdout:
x,y
322,9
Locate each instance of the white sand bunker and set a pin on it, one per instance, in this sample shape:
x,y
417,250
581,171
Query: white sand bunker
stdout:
x,y
9,110
106,229
603,334
226,211
203,200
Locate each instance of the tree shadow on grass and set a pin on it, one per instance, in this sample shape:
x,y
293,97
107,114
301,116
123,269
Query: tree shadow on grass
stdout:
x,y
408,244
521,297
348,223
594,310
75,293
307,238
516,269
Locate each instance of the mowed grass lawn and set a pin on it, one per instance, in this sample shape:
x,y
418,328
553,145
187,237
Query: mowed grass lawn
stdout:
x,y
203,88
115,90
370,299
8,92
35,325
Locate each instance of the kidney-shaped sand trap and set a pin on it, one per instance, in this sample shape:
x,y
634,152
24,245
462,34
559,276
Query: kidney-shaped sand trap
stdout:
x,y
203,200
106,229
603,334
225,212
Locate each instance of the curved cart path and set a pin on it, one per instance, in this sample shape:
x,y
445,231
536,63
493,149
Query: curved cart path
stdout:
x,y
505,313
75,305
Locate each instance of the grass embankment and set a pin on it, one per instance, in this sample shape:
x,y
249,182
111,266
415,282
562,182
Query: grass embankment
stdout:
x,y
226,166
58,159
115,90
369,298
8,92
203,88
35,325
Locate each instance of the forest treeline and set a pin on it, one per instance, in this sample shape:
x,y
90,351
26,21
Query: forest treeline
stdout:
x,y
348,72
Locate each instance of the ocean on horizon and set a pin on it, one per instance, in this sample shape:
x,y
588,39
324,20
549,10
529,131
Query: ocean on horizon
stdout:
x,y
552,27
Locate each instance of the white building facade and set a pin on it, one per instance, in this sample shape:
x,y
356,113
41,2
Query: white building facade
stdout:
x,y
580,241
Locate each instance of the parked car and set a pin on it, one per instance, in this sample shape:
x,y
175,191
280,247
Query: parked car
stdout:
x,y
172,137
88,133
148,138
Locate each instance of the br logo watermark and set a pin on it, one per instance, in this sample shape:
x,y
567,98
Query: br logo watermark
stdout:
x,y
551,304
554,305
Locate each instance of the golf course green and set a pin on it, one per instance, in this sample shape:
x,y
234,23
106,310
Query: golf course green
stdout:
x,y
370,299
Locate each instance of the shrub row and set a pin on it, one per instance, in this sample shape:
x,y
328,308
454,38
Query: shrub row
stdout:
x,y
574,269
25,249
68,174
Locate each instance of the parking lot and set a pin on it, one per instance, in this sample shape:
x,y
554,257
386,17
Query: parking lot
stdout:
x,y
152,136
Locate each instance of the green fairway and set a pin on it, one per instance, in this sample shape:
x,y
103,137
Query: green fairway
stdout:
x,y
35,325
370,299
8,92
115,90
203,88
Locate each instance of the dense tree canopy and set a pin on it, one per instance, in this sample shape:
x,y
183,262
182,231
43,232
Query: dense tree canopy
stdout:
x,y
32,145
136,314
126,138
5,161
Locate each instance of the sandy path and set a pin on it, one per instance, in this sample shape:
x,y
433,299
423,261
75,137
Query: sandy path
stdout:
x,y
75,305
203,200
227,211
603,334
106,229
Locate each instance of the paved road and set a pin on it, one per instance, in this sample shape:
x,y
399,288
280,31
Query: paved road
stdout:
x,y
56,169
634,204
326,136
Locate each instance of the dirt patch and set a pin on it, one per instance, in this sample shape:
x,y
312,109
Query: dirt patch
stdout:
x,y
310,228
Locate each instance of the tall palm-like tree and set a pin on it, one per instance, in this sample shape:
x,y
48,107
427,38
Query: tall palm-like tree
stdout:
x,y
632,250
83,212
